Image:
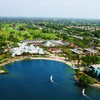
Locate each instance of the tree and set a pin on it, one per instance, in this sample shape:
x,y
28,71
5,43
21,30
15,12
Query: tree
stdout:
x,y
77,72
85,80
88,60
69,54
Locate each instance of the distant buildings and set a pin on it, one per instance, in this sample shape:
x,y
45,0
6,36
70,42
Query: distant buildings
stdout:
x,y
36,47
86,51
91,51
32,47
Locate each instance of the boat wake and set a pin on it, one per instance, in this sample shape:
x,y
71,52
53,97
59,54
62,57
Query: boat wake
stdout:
x,y
83,93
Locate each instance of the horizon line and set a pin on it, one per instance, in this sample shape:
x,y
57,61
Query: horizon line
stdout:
x,y
49,17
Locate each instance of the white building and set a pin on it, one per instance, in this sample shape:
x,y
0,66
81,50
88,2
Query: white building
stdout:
x,y
23,48
41,51
48,44
53,43
16,51
91,50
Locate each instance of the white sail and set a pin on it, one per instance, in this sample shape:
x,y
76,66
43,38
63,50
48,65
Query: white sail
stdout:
x,y
83,93
51,79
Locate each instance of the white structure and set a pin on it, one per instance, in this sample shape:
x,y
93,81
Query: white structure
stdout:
x,y
57,42
91,50
96,66
41,51
53,43
16,51
22,45
23,48
77,51
48,44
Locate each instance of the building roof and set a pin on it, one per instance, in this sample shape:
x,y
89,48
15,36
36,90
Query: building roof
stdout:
x,y
77,51
23,48
72,45
91,50
51,43
96,66
55,50
48,44
57,42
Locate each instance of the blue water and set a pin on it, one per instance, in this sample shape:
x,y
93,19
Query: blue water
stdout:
x,y
30,80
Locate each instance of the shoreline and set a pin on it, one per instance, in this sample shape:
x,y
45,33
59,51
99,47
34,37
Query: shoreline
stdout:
x,y
96,85
11,60
54,58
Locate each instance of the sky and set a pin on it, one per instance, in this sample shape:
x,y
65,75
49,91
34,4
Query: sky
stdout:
x,y
51,8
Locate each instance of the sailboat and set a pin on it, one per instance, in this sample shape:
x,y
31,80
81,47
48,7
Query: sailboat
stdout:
x,y
51,79
83,92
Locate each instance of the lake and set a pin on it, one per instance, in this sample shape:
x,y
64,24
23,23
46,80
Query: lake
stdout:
x,y
30,80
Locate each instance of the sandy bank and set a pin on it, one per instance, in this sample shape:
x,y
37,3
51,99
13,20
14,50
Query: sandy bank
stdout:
x,y
56,58
97,85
